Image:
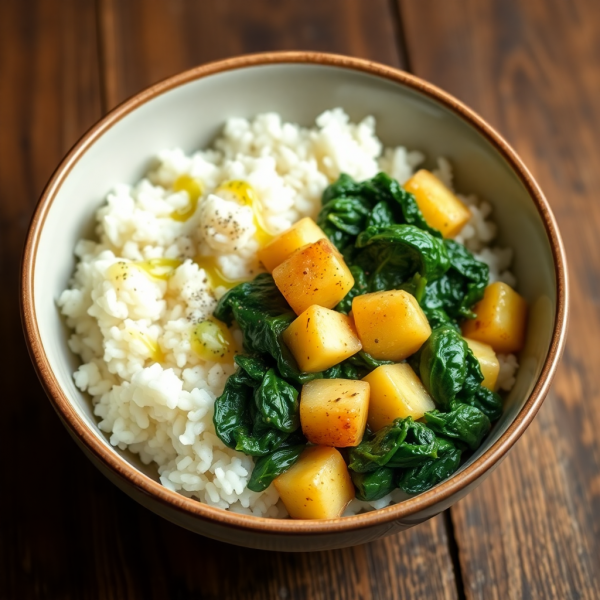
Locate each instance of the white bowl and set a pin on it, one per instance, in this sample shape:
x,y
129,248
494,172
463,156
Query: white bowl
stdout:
x,y
189,110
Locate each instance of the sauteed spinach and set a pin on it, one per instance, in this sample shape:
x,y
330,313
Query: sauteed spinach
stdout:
x,y
380,231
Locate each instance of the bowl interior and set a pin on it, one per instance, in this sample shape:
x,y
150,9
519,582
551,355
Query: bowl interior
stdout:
x,y
192,114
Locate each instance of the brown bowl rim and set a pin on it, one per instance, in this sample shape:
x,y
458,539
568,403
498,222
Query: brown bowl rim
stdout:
x,y
199,510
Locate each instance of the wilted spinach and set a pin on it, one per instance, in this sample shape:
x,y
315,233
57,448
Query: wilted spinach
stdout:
x,y
443,366
355,367
462,422
374,485
255,415
269,467
349,207
425,476
262,314
387,245
277,402
391,255
409,452
450,298
402,443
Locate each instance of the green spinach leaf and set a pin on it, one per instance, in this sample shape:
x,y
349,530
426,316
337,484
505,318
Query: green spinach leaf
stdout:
x,y
396,196
463,423
355,367
375,485
443,366
254,366
380,216
278,403
394,253
401,443
267,468
260,439
488,402
452,295
349,207
425,476
231,411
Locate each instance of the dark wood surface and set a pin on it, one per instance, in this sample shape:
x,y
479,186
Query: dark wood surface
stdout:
x,y
532,68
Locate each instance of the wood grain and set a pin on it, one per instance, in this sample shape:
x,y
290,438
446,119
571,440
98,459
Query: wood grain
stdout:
x,y
49,94
144,41
533,529
530,68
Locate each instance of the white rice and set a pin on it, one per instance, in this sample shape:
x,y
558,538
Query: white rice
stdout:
x,y
163,411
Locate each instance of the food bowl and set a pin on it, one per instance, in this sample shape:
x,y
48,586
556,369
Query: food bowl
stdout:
x,y
188,110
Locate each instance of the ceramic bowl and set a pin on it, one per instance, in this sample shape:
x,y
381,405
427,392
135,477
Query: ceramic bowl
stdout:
x,y
188,110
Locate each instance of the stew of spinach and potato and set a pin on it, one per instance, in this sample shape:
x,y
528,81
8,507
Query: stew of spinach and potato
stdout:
x,y
378,228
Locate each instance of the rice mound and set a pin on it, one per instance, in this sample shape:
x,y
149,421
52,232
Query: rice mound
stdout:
x,y
151,392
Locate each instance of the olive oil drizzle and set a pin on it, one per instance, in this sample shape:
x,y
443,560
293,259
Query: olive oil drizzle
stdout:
x,y
246,195
212,341
215,276
193,187
156,354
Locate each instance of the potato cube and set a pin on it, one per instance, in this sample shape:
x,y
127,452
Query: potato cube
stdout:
x,y
391,325
488,361
318,486
396,392
501,319
313,274
305,231
440,207
333,412
320,338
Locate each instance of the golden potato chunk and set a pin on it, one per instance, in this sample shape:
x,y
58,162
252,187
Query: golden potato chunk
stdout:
x,y
501,319
313,274
390,325
305,231
320,338
318,486
333,412
440,207
488,362
396,392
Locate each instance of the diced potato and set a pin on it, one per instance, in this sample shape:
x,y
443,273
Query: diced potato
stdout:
x,y
333,412
396,392
318,486
440,207
305,231
313,274
488,361
320,338
501,319
391,325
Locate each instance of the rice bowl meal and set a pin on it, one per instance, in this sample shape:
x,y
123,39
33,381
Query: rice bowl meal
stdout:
x,y
295,322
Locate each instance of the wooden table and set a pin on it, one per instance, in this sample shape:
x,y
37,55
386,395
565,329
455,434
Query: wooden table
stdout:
x,y
531,68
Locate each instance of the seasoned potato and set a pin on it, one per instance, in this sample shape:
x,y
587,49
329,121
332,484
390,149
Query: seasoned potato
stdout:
x,y
440,207
488,361
305,231
333,412
396,392
320,338
390,325
318,486
501,319
313,274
